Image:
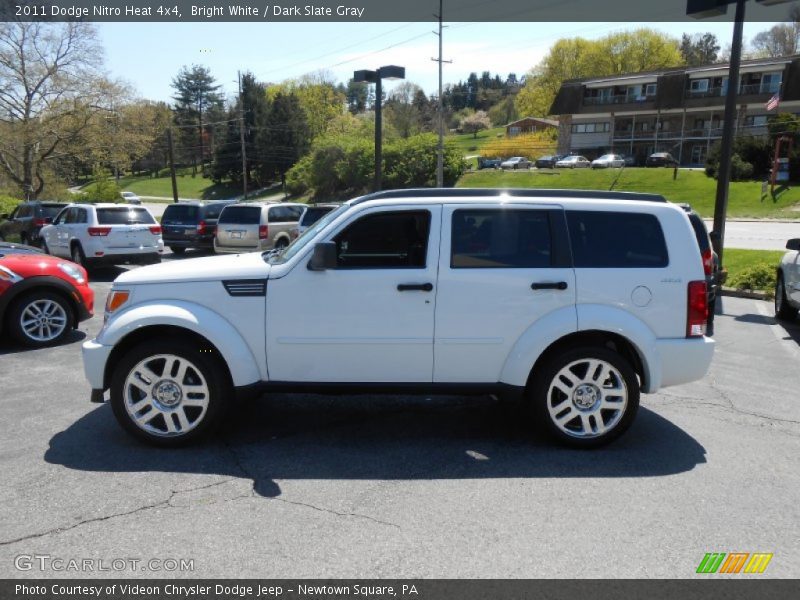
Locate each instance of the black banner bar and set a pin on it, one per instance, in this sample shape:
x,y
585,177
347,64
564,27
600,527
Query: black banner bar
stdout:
x,y
271,11
403,589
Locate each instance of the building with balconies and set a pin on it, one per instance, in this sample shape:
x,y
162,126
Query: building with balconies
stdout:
x,y
678,110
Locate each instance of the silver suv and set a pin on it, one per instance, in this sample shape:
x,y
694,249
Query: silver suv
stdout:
x,y
256,226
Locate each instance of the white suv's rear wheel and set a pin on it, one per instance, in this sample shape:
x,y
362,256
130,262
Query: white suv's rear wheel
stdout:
x,y
168,393
586,397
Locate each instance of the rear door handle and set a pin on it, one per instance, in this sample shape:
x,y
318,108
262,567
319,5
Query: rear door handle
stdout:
x,y
549,285
408,287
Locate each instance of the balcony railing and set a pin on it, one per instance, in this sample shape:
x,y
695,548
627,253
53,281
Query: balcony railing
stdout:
x,y
615,99
744,90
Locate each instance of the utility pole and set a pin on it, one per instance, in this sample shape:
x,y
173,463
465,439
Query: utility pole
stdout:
x,y
440,107
726,144
172,165
378,135
241,136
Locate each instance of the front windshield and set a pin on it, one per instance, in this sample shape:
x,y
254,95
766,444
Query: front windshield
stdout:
x,y
276,258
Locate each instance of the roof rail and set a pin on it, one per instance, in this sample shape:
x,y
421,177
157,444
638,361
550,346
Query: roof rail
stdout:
x,y
513,192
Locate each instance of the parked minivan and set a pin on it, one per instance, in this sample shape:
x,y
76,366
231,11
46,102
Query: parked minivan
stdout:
x,y
256,226
191,224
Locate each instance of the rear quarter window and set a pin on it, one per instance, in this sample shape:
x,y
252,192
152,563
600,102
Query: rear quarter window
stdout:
x,y
603,240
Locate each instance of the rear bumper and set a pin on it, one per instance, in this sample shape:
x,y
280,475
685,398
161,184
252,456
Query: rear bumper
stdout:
x,y
684,360
239,249
189,242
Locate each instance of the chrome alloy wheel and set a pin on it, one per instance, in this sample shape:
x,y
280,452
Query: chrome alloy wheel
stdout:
x,y
587,398
166,395
43,320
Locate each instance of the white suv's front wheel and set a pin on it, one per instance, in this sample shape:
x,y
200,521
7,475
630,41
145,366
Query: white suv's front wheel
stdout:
x,y
168,393
586,397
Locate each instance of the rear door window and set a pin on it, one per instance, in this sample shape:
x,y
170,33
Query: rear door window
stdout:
x,y
500,238
181,214
603,240
241,215
211,211
124,216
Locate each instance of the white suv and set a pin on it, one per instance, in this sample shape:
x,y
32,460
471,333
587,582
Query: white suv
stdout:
x,y
91,234
787,283
575,301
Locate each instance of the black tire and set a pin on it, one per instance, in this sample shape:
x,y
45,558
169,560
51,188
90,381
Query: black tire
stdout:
x,y
203,363
541,399
177,250
23,239
77,256
61,319
783,310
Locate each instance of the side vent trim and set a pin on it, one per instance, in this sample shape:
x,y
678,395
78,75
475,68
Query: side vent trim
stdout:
x,y
241,288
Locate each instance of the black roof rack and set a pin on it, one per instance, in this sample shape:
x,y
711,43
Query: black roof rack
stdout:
x,y
515,193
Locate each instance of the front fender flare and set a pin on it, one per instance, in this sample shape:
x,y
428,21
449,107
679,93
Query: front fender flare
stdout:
x,y
214,327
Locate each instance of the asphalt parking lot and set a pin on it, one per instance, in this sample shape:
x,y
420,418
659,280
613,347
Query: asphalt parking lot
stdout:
x,y
312,486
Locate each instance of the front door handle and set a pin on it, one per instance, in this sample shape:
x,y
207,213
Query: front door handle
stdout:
x,y
549,285
408,287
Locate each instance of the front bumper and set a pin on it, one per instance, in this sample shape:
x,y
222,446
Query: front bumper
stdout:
x,y
95,358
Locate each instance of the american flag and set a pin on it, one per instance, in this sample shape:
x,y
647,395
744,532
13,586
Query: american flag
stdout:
x,y
773,102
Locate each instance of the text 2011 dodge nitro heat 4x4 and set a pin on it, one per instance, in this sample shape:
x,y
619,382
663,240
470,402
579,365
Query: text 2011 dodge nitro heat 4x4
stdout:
x,y
574,301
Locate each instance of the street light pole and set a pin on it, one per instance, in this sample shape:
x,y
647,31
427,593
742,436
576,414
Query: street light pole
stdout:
x,y
378,135
365,76
726,147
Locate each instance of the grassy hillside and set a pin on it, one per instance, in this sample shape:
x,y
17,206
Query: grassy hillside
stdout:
x,y
469,144
693,187
188,187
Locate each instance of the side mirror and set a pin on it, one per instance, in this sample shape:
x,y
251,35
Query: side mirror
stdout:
x,y
324,257
793,244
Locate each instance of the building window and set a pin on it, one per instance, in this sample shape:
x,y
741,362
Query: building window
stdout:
x,y
755,121
591,127
770,83
650,90
698,85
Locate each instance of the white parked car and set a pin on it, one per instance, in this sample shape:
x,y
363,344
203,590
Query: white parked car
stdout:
x,y
91,234
573,301
130,198
516,162
573,162
608,160
787,286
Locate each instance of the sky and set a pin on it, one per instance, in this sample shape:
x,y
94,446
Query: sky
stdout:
x,y
149,55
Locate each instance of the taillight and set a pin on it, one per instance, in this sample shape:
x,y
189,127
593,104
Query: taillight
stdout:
x,y
696,309
201,227
40,222
99,231
263,232
708,261
155,229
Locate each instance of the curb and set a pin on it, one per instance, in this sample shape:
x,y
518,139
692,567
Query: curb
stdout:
x,y
752,294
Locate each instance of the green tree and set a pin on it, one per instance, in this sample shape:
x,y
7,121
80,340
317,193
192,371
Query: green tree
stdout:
x,y
196,95
699,49
283,138
571,58
50,86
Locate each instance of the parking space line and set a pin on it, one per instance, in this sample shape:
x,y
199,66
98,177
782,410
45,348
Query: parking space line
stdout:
x,y
780,333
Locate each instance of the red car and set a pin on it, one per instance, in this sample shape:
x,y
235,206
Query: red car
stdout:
x,y
42,298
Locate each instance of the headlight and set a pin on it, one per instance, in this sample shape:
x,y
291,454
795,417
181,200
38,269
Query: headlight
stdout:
x,y
72,271
116,299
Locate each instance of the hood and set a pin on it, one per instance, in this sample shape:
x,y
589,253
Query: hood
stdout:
x,y
211,268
